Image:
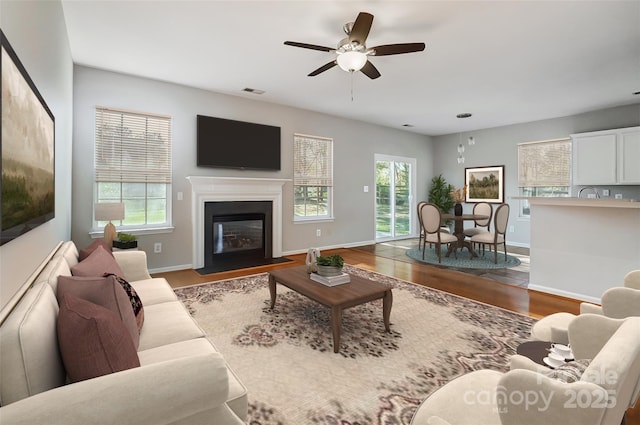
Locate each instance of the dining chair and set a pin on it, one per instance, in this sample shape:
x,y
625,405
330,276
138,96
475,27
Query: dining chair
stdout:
x,y
498,236
482,225
421,234
431,218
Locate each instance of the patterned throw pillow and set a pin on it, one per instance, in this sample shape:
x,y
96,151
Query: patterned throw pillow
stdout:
x,y
136,302
93,341
570,372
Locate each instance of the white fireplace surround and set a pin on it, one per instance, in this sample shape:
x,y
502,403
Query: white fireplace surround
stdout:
x,y
220,189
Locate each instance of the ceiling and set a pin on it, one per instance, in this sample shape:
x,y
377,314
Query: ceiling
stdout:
x,y
505,62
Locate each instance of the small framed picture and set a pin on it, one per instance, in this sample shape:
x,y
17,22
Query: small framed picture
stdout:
x,y
485,184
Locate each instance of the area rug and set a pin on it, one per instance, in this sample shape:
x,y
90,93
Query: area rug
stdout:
x,y
285,356
463,260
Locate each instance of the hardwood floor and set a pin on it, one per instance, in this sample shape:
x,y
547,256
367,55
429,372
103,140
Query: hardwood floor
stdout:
x,y
505,291
469,284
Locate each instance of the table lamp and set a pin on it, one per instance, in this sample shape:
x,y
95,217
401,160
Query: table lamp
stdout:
x,y
106,212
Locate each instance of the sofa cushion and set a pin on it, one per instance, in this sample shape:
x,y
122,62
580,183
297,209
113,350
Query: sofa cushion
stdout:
x,y
106,292
69,251
84,253
134,299
167,323
56,267
99,262
93,340
154,291
30,362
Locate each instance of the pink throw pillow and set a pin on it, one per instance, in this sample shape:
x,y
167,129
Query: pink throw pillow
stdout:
x,y
93,341
103,291
97,264
84,253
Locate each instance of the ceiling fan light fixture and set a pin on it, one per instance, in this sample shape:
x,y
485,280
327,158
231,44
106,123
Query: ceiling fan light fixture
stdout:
x,y
351,61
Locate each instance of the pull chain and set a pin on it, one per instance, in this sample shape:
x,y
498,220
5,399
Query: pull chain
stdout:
x,y
351,72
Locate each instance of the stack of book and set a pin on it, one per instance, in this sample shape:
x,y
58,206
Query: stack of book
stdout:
x,y
331,280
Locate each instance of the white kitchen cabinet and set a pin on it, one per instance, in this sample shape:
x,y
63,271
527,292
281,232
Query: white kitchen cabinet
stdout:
x,y
606,157
629,156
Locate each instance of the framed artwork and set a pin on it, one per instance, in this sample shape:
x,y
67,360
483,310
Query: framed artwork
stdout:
x,y
26,150
485,184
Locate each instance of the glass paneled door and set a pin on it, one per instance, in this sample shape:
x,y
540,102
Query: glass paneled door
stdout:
x,y
395,189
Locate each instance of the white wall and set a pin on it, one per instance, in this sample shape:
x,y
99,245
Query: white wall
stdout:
x,y
499,146
355,144
37,33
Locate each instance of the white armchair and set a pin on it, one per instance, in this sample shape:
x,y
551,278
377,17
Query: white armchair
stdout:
x,y
528,395
617,303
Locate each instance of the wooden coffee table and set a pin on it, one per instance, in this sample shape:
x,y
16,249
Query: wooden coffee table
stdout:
x,y
338,298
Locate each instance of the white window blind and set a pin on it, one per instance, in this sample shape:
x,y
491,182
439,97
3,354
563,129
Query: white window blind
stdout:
x,y
132,147
313,161
544,164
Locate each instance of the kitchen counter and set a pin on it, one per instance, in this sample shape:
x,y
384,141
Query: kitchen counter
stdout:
x,y
580,247
583,202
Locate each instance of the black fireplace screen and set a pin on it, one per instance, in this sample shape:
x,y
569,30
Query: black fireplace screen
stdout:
x,y
237,233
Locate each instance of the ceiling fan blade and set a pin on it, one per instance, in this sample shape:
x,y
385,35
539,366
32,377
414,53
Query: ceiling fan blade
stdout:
x,y
309,46
361,28
323,68
397,49
370,71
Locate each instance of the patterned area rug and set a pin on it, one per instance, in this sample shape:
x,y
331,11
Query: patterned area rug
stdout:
x,y
464,260
285,356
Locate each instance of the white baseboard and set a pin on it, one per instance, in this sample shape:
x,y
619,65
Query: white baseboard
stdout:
x,y
566,294
171,268
519,244
348,245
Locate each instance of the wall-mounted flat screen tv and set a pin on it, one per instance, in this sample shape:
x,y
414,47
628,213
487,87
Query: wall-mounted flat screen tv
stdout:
x,y
225,143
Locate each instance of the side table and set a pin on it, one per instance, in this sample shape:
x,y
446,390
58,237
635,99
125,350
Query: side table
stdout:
x,y
535,350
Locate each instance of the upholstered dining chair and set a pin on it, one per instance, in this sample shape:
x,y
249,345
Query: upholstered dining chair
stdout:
x,y
431,217
498,236
421,234
480,226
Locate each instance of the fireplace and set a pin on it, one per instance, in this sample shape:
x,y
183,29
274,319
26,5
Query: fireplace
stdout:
x,y
207,189
237,234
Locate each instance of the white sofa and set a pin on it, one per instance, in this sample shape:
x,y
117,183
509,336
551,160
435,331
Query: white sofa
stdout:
x,y
182,378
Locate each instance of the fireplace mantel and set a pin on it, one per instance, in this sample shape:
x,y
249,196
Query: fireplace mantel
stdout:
x,y
216,189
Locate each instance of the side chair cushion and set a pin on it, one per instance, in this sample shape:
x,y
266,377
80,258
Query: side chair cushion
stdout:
x,y
444,238
472,231
486,237
93,340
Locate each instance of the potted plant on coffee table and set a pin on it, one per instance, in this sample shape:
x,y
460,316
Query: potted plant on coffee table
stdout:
x,y
330,265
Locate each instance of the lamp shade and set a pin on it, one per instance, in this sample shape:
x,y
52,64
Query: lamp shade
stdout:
x,y
352,61
107,211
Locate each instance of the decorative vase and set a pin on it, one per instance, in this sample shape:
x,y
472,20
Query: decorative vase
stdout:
x,y
312,256
329,270
457,209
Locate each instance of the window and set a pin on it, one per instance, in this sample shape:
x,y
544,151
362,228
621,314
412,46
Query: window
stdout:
x,y
133,166
544,169
312,177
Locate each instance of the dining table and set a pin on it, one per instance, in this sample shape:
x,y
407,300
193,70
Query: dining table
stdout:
x,y
458,232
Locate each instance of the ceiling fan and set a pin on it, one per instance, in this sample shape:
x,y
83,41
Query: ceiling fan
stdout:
x,y
352,52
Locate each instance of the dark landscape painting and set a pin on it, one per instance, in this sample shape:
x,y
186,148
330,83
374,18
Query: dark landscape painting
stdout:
x,y
27,149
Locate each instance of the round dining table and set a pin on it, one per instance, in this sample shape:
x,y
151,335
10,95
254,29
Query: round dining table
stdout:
x,y
458,231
